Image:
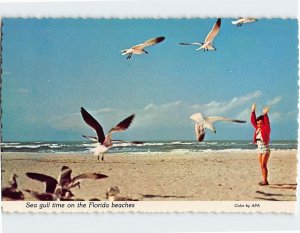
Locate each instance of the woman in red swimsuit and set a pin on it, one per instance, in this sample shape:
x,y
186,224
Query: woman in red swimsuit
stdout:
x,y
262,139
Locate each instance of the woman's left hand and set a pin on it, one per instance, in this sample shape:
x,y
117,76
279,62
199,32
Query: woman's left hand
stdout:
x,y
266,110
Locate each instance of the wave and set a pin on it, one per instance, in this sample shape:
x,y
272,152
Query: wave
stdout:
x,y
147,147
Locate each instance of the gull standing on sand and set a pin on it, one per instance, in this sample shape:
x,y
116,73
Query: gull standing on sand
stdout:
x,y
12,192
207,44
241,21
207,122
105,141
60,188
139,49
112,194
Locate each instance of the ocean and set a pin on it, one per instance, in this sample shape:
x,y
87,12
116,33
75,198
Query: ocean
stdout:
x,y
155,147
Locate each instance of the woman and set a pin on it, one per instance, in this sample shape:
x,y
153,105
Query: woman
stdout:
x,y
262,139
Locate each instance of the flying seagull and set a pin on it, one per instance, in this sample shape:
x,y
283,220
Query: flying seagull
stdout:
x,y
139,49
241,21
207,44
12,192
207,122
105,141
61,187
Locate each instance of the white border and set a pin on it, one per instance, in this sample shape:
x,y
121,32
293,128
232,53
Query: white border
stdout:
x,y
175,222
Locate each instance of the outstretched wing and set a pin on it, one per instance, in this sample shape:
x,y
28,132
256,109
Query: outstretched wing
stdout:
x,y
123,125
48,180
214,31
94,176
149,42
213,119
153,41
197,117
92,122
194,43
90,137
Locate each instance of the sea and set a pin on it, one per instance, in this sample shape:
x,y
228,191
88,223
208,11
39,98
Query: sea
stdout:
x,y
148,147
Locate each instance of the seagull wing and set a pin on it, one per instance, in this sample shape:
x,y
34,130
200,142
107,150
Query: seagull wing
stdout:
x,y
213,119
214,31
153,41
131,142
90,137
198,117
195,43
149,42
48,180
93,176
92,122
123,125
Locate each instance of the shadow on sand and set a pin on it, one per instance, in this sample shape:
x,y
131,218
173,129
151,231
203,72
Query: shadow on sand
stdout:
x,y
161,196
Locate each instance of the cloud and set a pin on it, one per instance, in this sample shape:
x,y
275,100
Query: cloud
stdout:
x,y
177,114
275,116
274,101
108,117
224,107
167,115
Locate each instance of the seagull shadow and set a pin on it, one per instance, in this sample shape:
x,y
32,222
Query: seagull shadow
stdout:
x,y
161,196
284,186
272,195
269,194
266,199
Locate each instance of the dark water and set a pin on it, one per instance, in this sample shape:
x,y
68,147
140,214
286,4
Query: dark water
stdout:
x,y
147,147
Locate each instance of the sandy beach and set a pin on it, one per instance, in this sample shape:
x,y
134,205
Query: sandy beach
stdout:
x,y
215,176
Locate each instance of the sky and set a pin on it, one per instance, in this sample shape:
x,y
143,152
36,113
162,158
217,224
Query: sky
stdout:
x,y
52,67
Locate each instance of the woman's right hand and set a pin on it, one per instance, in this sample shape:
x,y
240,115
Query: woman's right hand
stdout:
x,y
253,107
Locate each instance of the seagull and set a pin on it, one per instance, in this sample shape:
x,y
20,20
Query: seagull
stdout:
x,y
112,194
104,140
12,192
207,122
139,49
207,44
241,21
61,187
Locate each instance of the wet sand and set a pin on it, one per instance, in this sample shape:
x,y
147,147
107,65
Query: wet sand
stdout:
x,y
215,176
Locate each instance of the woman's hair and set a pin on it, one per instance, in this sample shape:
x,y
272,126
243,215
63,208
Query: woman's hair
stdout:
x,y
261,117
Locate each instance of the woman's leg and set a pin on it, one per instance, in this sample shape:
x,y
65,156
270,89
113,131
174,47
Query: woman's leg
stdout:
x,y
264,168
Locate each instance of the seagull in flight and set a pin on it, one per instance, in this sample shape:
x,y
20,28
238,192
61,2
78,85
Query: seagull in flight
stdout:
x,y
207,44
105,141
12,192
139,49
58,189
241,21
207,122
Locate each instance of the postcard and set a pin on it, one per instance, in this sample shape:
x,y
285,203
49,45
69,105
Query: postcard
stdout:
x,y
149,115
